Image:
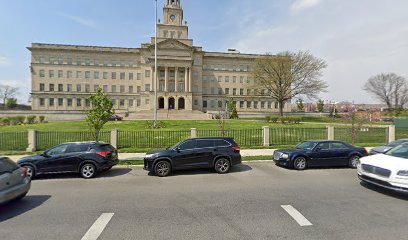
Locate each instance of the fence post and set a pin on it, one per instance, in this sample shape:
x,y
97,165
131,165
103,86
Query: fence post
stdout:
x,y
330,132
193,132
265,134
32,141
391,133
114,138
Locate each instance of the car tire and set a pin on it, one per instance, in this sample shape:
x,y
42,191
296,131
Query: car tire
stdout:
x,y
162,168
300,163
353,161
222,165
30,171
88,170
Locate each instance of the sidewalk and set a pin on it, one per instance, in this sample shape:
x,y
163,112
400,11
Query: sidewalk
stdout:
x,y
140,156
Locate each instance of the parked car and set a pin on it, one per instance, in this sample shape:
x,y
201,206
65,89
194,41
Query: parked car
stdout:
x,y
388,170
319,153
385,148
85,158
218,153
14,181
116,118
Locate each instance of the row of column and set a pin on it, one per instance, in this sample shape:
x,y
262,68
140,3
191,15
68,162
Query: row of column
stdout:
x,y
188,76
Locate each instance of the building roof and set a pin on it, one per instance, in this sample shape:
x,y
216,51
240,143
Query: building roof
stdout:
x,y
47,46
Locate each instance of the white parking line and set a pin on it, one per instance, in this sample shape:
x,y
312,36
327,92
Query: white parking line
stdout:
x,y
295,214
98,227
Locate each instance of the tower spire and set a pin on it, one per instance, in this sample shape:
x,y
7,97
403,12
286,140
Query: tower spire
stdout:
x,y
173,3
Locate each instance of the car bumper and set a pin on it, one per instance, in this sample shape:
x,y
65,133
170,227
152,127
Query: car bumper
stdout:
x,y
16,191
382,183
108,164
283,162
148,165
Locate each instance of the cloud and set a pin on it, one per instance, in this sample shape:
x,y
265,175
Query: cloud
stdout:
x,y
82,21
3,61
301,5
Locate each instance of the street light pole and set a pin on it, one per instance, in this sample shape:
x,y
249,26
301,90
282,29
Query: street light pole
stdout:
x,y
155,68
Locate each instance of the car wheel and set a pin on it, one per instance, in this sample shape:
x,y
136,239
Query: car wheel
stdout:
x,y
30,171
162,168
88,170
222,165
300,163
353,162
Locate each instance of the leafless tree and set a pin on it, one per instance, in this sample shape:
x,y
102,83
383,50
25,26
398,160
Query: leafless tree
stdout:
x,y
389,88
288,75
7,92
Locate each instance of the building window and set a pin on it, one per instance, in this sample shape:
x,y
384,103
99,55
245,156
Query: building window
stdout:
x,y
87,88
105,88
165,34
96,62
60,74
131,64
60,87
113,75
79,61
234,91
122,88
241,91
42,60
138,103
234,68
248,91
139,89
147,87
60,60
262,104
212,67
131,103
42,102
241,79
204,104
130,76
147,101
241,104
96,75
219,91
78,87
248,104
219,104
106,62
69,61
219,78
130,89
79,74
113,88
147,73
51,102
256,104
226,79
122,102
87,74
96,88
69,88
42,87
204,67
69,102
205,90
122,76
195,102
227,67
204,78
212,79
69,74
269,104
276,105
42,73
227,91
60,102
105,75
87,103
78,102
51,73
139,76
212,90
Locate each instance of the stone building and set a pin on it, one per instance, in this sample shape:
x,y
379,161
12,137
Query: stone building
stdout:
x,y
189,78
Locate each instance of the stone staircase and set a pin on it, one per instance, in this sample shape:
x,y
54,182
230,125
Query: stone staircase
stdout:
x,y
169,115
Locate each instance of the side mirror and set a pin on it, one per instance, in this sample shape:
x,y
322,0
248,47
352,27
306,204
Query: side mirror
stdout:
x,y
44,154
178,149
318,149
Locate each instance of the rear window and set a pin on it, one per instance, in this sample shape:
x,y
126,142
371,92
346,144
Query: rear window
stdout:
x,y
222,143
204,143
73,148
6,165
105,148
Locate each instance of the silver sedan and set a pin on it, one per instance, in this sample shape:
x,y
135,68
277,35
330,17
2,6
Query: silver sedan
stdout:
x,y
14,181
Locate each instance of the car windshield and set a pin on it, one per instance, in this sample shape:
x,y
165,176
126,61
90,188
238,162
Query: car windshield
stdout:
x,y
399,151
306,145
396,143
6,165
175,146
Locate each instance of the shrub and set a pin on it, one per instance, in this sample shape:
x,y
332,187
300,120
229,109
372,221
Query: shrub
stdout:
x,y
31,119
234,114
274,119
5,121
268,119
13,120
41,118
20,119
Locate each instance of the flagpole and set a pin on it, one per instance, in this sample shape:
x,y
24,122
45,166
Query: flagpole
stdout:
x,y
155,69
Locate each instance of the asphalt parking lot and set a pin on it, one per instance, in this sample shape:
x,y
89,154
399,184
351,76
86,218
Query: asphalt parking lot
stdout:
x,y
256,200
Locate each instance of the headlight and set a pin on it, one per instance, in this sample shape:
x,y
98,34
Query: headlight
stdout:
x,y
403,173
153,155
285,156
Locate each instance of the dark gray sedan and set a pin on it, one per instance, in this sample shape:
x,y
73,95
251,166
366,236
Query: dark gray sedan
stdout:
x,y
14,181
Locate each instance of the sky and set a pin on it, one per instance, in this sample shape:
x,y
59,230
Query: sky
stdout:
x,y
357,38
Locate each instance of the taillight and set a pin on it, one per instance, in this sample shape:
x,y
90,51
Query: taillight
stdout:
x,y
236,148
25,172
103,154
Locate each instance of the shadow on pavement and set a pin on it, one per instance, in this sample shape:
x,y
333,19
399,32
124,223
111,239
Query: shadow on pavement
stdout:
x,y
390,193
114,172
206,171
18,207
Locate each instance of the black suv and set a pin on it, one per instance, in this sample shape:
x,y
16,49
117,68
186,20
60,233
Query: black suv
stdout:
x,y
85,158
217,153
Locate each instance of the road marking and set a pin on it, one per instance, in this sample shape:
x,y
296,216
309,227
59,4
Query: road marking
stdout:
x,y
98,227
295,214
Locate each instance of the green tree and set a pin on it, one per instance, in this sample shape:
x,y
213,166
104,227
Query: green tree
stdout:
x,y
100,113
320,105
232,109
11,103
288,75
300,106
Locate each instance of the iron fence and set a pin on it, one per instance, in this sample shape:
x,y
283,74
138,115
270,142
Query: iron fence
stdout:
x,y
13,141
46,139
291,136
150,139
243,137
363,135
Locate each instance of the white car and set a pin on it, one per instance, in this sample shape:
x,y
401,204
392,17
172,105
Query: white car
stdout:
x,y
388,170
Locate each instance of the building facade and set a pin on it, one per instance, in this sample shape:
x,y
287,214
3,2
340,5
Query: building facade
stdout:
x,y
63,76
